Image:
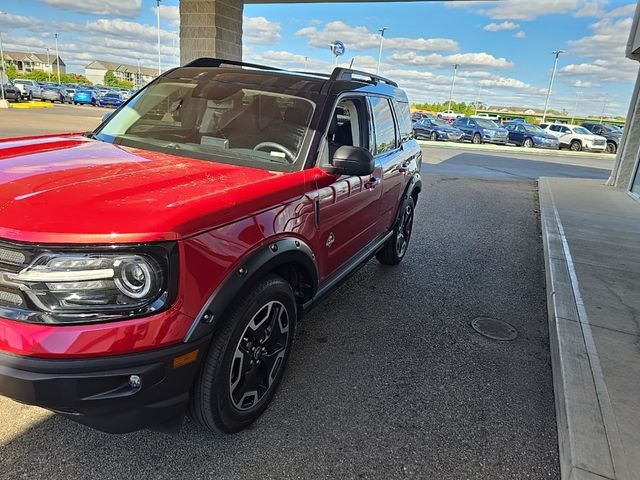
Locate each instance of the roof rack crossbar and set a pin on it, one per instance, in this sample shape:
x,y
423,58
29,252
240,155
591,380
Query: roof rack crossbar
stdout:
x,y
346,74
217,62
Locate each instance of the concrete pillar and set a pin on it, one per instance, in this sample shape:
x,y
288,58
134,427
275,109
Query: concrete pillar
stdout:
x,y
210,28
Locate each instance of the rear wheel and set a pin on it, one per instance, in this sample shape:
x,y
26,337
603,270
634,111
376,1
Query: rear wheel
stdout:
x,y
576,146
395,249
528,143
612,147
247,358
477,139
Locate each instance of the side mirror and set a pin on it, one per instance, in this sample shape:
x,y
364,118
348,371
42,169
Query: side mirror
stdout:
x,y
353,161
106,116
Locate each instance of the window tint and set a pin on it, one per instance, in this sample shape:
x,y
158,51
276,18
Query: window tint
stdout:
x,y
384,126
404,120
554,128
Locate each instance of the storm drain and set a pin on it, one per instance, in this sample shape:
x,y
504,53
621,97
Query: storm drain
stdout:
x,y
494,329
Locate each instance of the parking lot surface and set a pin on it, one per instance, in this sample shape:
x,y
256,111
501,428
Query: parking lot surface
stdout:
x,y
388,379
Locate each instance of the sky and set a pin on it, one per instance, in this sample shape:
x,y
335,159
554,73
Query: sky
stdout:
x,y
503,48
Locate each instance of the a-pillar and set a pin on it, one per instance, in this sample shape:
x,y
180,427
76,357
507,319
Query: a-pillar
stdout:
x,y
210,28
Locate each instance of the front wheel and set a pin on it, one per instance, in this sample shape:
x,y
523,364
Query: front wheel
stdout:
x,y
611,147
477,139
528,143
395,249
576,146
247,358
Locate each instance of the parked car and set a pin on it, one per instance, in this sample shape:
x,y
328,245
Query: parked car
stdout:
x,y
611,133
575,137
416,116
529,136
111,99
436,129
11,92
68,92
84,97
52,94
480,130
195,246
449,115
28,88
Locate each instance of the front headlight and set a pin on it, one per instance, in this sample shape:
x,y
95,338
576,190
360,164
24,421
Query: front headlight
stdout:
x,y
81,286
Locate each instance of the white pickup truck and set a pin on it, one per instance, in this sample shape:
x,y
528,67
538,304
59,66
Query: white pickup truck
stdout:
x,y
449,115
28,88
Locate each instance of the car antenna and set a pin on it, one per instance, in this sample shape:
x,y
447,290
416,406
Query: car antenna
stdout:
x,y
351,64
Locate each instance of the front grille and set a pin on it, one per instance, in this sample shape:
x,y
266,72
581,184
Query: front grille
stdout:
x,y
598,142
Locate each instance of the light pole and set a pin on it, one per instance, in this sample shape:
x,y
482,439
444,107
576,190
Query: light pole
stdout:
x,y
3,69
604,107
158,20
306,61
381,30
453,82
138,82
57,58
575,107
553,75
49,64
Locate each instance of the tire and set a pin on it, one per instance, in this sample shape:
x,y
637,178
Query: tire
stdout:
x,y
395,248
476,139
575,146
528,143
612,147
433,137
415,135
216,402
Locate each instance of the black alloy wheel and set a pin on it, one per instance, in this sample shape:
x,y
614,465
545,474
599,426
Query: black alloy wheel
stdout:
x,y
611,147
395,249
247,358
576,146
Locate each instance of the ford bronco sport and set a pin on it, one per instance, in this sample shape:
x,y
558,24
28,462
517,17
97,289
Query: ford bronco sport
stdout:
x,y
160,263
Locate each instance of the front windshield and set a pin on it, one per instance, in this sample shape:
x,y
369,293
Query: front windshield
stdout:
x,y
533,129
484,123
209,119
581,131
439,122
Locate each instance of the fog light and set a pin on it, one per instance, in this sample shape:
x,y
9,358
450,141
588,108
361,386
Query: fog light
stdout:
x,y
135,381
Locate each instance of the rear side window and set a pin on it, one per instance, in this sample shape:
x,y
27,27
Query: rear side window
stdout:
x,y
384,126
404,120
554,128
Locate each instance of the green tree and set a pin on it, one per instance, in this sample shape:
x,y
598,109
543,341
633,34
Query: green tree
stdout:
x,y
110,79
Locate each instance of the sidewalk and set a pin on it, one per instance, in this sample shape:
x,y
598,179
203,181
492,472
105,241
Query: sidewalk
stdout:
x,y
592,252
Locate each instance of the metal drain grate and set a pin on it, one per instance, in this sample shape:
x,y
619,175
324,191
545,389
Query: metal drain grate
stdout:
x,y
494,329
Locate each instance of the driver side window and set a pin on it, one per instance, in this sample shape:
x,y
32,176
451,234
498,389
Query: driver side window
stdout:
x,y
348,126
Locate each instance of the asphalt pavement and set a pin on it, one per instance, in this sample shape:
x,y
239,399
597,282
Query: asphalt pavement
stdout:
x,y
388,379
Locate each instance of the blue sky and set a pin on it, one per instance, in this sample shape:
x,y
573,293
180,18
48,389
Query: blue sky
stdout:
x,y
504,48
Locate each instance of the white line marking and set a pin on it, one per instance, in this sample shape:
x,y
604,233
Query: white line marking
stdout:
x,y
610,424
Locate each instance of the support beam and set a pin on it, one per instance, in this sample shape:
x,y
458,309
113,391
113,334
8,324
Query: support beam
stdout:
x,y
210,28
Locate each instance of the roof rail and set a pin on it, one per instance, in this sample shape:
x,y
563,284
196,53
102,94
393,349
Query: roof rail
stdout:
x,y
217,62
347,74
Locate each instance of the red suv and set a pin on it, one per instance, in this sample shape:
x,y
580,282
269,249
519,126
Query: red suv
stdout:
x,y
160,264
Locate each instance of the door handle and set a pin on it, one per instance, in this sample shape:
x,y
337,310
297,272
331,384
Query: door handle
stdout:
x,y
372,183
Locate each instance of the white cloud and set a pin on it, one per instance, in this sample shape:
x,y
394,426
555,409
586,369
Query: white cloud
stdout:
x,y
592,8
9,21
520,34
625,11
358,38
435,60
260,31
583,84
518,9
120,8
496,27
171,13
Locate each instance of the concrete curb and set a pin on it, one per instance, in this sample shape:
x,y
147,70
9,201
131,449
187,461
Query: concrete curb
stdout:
x,y
514,149
585,451
26,105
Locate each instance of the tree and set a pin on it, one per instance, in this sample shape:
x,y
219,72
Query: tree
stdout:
x,y
110,79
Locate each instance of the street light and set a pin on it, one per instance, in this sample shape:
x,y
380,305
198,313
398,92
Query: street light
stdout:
x,y
381,30
138,82
158,20
453,82
553,75
49,64
57,58
575,107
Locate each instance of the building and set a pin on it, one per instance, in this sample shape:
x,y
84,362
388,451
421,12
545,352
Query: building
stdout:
x,y
139,76
28,62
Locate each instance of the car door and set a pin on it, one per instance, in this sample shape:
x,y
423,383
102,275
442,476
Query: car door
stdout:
x,y
422,128
463,124
347,207
516,134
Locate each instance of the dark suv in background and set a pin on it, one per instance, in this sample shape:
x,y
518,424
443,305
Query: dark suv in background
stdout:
x,y
480,130
611,133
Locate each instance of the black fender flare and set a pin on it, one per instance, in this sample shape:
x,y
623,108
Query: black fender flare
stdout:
x,y
414,185
287,250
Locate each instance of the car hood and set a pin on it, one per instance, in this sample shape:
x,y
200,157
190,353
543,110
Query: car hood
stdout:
x,y
70,189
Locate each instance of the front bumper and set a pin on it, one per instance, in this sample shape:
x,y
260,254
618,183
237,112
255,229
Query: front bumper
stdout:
x,y
99,393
